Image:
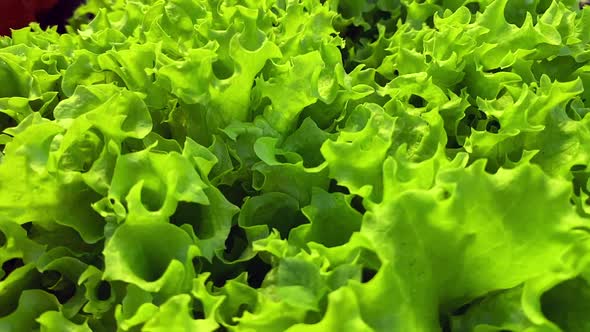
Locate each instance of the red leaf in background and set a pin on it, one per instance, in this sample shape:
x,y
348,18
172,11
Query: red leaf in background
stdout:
x,y
16,14
41,5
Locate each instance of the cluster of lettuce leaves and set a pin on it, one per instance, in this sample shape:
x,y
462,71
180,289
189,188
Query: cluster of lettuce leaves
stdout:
x,y
297,165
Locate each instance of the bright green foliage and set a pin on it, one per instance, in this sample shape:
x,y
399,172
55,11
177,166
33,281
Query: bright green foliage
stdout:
x,y
300,165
